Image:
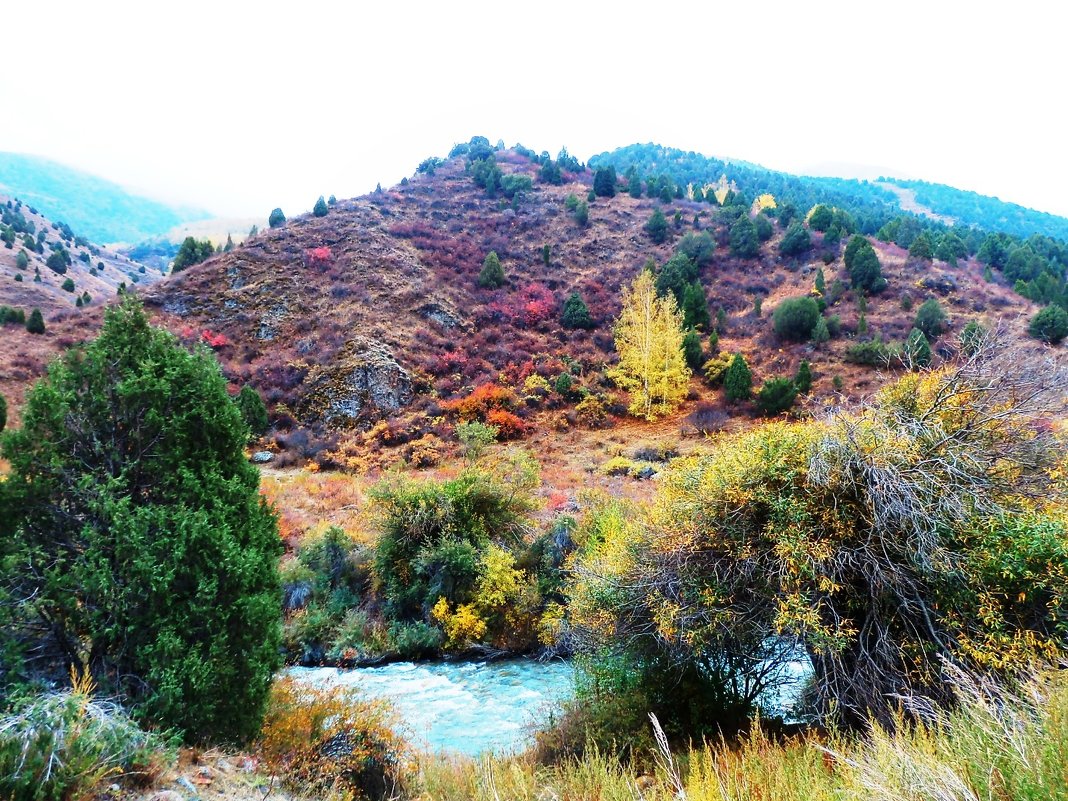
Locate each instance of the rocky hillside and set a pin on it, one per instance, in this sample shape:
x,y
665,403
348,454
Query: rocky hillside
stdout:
x,y
374,311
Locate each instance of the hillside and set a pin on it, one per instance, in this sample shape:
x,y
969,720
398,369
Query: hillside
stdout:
x,y
873,203
70,311
97,209
374,312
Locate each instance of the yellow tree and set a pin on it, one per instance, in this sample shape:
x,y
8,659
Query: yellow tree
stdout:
x,y
649,337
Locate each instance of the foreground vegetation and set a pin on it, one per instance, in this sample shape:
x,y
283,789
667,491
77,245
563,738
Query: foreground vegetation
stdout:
x,y
920,538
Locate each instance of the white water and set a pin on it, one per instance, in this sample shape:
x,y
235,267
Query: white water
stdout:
x,y
469,707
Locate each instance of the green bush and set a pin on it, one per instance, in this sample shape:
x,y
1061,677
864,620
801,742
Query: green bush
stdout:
x,y
576,313
930,318
320,209
492,274
68,285
803,378
738,380
657,227
744,240
253,410
154,554
795,318
917,351
67,745
874,353
35,323
277,218
1050,325
604,181
776,396
191,252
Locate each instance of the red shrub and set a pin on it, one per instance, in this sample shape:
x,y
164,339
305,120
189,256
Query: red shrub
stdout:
x,y
318,257
213,340
508,425
483,400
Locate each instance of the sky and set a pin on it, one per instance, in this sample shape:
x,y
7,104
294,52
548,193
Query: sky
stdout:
x,y
238,107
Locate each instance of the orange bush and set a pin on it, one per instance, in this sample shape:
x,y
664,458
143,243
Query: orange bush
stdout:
x,y
508,425
331,741
482,400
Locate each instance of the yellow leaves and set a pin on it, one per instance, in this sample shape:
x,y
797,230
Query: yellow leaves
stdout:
x,y
498,582
648,337
462,626
764,201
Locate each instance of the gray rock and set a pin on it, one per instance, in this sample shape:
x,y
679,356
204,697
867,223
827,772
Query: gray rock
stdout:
x,y
442,315
365,383
262,457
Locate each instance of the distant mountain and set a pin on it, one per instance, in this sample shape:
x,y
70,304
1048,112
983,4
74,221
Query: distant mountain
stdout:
x,y
97,209
872,203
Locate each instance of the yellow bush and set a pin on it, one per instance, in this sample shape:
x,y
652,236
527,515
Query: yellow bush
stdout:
x,y
331,741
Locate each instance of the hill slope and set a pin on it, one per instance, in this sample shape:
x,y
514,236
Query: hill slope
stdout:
x,y
872,202
374,310
98,209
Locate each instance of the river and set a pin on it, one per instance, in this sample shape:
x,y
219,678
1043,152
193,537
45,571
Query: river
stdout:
x,y
465,707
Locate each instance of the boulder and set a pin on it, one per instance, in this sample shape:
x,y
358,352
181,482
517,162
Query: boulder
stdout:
x,y
365,383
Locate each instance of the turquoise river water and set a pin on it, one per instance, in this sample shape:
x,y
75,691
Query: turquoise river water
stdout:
x,y
468,707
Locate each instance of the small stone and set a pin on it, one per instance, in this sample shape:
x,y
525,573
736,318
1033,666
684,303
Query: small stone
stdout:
x,y
262,457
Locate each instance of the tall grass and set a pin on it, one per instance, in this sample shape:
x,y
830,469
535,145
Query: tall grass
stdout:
x,y
998,745
63,745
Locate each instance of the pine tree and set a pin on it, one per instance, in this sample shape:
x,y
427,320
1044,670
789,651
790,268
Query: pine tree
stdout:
x,y
153,560
277,219
321,209
738,382
492,275
649,338
917,349
692,350
229,244
35,323
576,313
921,248
253,410
865,272
744,241
604,181
820,333
821,282
803,377
657,227
695,307
634,182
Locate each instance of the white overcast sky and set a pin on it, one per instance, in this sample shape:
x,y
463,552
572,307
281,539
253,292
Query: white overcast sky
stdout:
x,y
237,107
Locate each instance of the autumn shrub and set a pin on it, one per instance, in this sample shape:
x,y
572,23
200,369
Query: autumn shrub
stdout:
x,y
481,401
508,425
331,741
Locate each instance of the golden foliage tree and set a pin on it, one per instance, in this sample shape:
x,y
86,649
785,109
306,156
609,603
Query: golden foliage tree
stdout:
x,y
649,337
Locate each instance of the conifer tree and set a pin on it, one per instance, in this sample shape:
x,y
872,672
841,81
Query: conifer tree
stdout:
x,y
35,323
821,282
649,339
321,208
917,349
492,275
277,219
803,378
692,350
738,382
744,240
657,227
575,314
695,307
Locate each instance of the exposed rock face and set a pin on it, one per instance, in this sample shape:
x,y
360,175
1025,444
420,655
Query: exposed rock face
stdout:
x,y
364,384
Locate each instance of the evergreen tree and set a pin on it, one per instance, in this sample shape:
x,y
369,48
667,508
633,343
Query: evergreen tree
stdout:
x,y
776,396
648,336
917,349
191,252
1050,325
253,410
821,218
229,244
320,209
803,377
576,313
277,219
971,338
795,241
930,318
795,318
744,241
22,261
678,273
738,381
763,228
546,255
634,182
695,307
921,248
604,181
141,541
691,349
582,213
35,323
492,275
821,332
821,282
865,272
657,227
